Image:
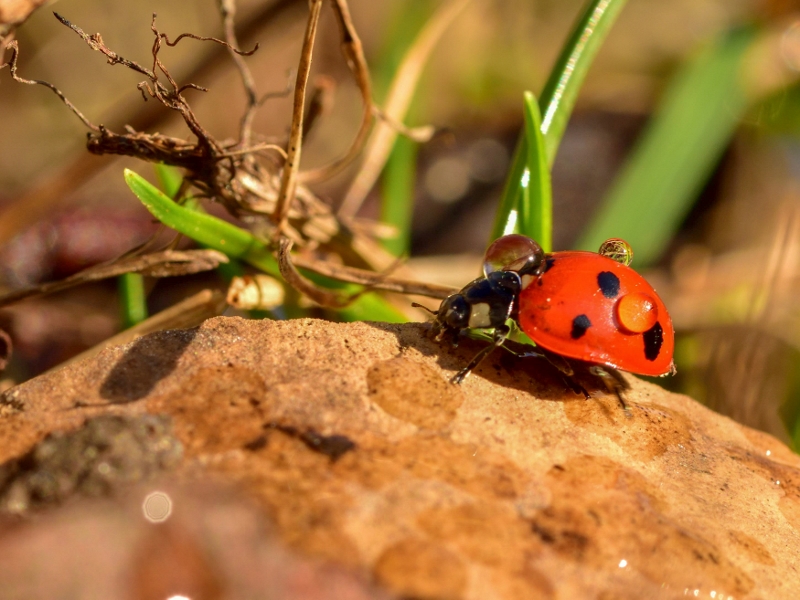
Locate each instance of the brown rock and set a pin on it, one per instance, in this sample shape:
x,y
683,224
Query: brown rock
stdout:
x,y
360,453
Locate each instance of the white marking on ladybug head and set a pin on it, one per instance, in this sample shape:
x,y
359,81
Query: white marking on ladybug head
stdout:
x,y
479,317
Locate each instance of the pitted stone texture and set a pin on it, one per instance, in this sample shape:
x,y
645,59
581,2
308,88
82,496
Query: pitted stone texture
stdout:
x,y
513,485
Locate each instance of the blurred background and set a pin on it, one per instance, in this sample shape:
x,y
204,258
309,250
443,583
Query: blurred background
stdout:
x,y
684,142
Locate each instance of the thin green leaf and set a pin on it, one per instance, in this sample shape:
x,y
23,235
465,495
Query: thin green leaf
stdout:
x,y
203,228
233,268
133,302
169,177
133,305
558,99
676,153
536,204
238,243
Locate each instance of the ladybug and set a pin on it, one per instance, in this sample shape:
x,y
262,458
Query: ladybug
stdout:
x,y
588,306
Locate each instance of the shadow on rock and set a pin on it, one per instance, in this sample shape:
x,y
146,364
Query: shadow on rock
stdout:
x,y
508,366
149,360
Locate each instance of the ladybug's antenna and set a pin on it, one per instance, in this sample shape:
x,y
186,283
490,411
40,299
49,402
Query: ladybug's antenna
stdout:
x,y
433,312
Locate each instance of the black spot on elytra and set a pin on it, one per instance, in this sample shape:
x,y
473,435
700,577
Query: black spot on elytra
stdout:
x,y
653,338
579,326
609,284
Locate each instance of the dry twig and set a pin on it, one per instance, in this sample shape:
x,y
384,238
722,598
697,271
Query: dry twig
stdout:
x,y
209,61
228,172
12,66
375,281
323,297
398,100
289,178
354,54
227,9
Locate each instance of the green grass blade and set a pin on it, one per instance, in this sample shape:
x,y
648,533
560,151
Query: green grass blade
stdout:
x,y
536,205
399,174
506,217
238,243
169,178
558,99
676,153
203,228
561,90
397,194
133,301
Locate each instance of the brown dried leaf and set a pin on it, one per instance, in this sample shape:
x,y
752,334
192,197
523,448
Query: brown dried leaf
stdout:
x,y
169,263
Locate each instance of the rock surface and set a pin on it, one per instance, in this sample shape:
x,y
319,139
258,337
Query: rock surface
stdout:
x,y
359,453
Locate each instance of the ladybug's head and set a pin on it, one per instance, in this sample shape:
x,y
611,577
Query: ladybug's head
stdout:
x,y
453,315
489,301
485,303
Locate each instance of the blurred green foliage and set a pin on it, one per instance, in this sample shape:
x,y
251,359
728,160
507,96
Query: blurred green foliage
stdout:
x,y
677,152
400,174
133,300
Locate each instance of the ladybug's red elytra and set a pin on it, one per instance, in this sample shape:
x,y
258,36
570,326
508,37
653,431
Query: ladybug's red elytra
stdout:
x,y
580,305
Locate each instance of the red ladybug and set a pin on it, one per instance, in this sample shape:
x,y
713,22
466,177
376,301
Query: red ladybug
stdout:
x,y
581,305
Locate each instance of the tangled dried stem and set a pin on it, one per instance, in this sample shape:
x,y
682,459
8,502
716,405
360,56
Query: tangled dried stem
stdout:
x,y
272,196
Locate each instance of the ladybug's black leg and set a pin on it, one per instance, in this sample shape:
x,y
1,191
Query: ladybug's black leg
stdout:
x,y
615,384
500,335
563,367
575,386
567,373
560,363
